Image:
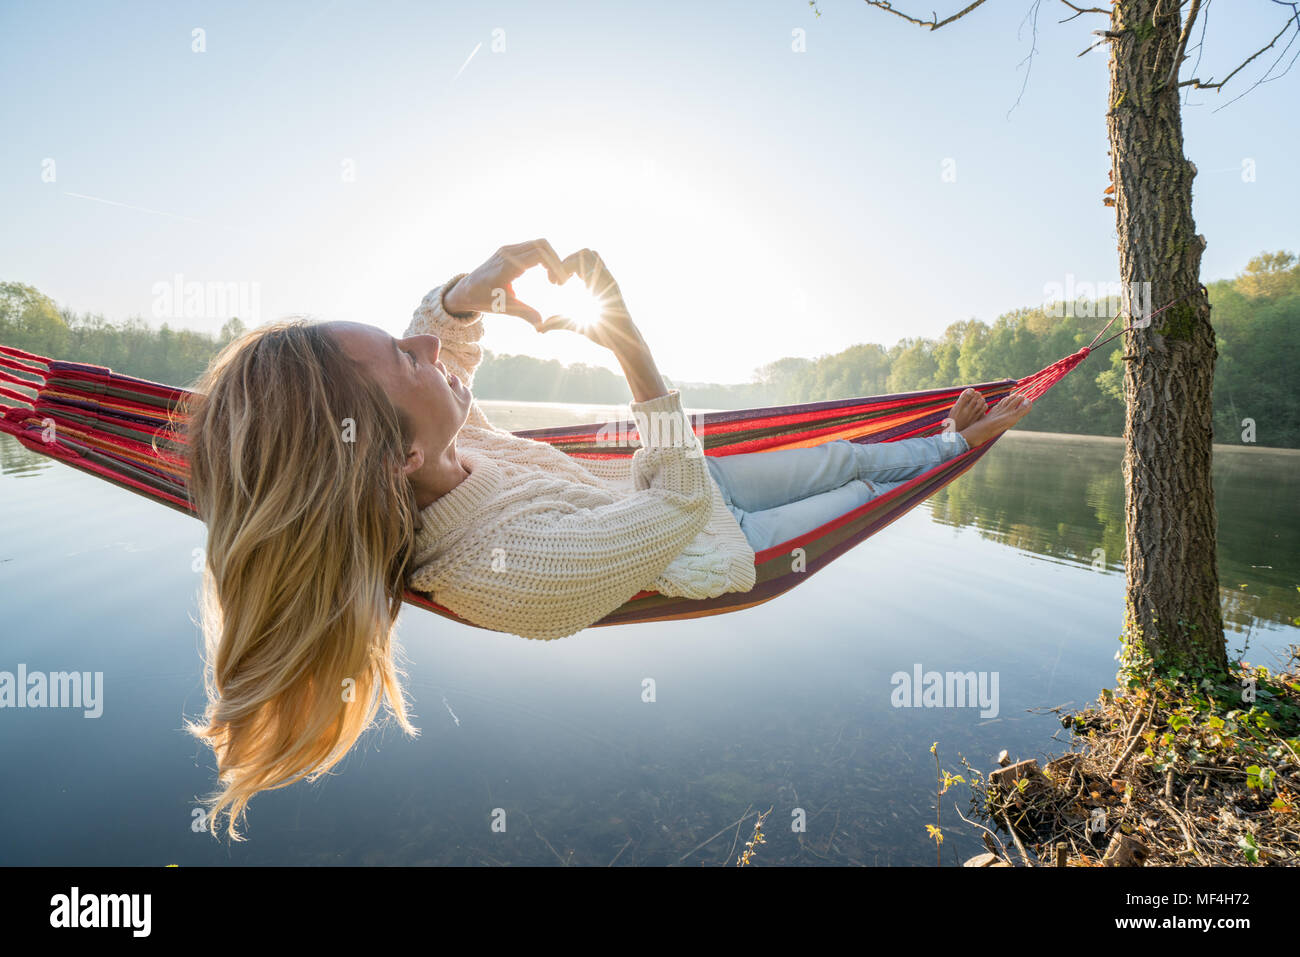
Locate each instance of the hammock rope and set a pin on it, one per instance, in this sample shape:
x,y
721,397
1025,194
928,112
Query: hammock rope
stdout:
x,y
116,427
1097,345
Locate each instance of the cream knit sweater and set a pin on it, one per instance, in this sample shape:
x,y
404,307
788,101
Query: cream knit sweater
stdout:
x,y
541,544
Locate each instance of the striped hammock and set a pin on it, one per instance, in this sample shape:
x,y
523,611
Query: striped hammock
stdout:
x,y
106,423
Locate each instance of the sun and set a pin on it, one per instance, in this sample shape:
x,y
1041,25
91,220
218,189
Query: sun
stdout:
x,y
573,299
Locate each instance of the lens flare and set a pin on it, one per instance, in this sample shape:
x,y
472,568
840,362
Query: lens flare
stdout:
x,y
573,299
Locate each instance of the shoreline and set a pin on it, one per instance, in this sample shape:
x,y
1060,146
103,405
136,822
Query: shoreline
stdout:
x,y
1119,439
1161,771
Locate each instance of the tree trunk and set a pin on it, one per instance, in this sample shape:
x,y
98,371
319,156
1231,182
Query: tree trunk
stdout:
x,y
1171,562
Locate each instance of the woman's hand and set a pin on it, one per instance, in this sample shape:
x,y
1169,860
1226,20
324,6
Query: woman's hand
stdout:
x,y
488,289
615,330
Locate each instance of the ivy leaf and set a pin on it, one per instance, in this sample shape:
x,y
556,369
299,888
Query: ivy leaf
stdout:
x,y
1249,848
1259,778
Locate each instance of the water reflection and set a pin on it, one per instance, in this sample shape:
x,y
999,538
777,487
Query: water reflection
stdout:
x,y
1062,498
17,459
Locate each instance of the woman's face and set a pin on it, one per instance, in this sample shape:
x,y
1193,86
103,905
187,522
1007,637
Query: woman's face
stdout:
x,y
433,400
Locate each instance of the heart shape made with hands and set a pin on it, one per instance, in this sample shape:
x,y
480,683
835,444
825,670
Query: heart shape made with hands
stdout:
x,y
572,299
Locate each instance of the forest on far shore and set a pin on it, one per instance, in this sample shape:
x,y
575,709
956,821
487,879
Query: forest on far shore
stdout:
x,y
1256,317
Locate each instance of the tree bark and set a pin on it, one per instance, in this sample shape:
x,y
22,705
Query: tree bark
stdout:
x,y
1171,566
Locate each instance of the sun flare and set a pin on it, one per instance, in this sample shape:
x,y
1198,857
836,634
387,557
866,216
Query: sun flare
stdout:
x,y
573,299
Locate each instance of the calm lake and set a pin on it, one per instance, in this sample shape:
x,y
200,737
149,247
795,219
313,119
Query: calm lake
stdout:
x,y
1014,571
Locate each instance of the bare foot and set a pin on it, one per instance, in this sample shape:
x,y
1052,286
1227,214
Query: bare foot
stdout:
x,y
1000,418
968,409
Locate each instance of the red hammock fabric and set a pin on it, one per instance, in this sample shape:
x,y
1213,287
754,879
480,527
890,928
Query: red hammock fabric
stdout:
x,y
108,424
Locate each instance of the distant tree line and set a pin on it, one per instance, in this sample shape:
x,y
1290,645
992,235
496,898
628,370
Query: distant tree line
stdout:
x,y
31,321
1256,317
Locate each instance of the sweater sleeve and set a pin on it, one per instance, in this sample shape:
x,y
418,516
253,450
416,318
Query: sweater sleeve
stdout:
x,y
559,567
459,333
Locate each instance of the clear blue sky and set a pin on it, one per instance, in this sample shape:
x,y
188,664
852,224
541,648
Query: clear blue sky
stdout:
x,y
754,202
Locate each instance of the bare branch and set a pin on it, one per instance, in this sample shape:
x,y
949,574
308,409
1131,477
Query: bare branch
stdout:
x,y
1080,11
1105,35
1198,84
934,23
1033,48
1266,78
1200,45
1182,41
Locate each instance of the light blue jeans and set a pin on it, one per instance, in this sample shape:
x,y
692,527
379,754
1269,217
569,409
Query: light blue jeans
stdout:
x,y
780,495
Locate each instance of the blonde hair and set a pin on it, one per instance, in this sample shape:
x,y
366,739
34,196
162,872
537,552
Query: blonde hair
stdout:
x,y
295,466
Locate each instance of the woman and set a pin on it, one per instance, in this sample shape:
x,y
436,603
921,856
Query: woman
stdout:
x,y
335,465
